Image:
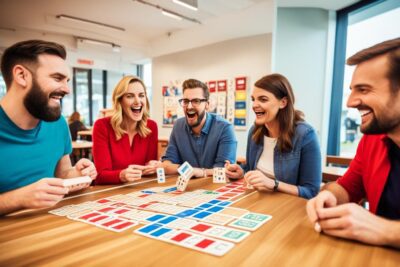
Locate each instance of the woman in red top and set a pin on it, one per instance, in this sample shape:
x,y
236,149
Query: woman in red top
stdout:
x,y
125,144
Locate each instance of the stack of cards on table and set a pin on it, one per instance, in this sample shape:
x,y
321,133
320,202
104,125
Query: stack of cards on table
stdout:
x,y
219,176
77,182
160,175
186,172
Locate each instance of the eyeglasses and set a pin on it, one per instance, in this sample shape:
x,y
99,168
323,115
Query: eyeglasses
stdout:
x,y
195,102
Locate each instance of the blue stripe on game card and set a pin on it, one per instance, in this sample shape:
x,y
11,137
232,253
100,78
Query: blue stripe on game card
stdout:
x,y
160,232
170,189
168,220
225,203
147,192
149,228
215,209
214,201
205,206
201,215
186,213
156,217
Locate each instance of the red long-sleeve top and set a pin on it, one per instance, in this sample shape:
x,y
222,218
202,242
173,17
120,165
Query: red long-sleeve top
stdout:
x,y
111,156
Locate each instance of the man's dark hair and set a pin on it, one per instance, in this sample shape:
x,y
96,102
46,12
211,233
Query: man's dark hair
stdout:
x,y
392,49
193,83
26,53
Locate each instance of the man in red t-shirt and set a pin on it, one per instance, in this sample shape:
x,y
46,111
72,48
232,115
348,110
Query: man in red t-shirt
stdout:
x,y
374,173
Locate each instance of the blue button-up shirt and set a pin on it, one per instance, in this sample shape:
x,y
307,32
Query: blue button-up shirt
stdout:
x,y
215,144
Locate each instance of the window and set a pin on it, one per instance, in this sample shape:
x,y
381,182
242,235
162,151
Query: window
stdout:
x,y
358,27
3,88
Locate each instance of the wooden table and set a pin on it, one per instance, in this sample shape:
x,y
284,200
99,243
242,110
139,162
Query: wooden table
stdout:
x,y
85,134
331,173
39,238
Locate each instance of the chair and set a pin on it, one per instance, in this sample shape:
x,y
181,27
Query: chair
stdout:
x,y
336,166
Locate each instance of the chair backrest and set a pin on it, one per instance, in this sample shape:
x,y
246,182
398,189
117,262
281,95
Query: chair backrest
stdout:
x,y
338,160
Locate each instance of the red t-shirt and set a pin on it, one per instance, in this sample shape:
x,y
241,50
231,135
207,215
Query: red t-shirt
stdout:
x,y
111,156
368,171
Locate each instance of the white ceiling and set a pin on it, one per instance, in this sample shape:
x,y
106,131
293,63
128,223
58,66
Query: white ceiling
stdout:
x,y
147,32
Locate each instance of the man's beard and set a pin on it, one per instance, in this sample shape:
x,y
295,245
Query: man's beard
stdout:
x,y
37,103
382,126
200,117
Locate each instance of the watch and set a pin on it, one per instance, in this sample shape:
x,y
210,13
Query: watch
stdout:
x,y
276,185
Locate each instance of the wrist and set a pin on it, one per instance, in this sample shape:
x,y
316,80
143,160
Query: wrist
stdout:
x,y
276,185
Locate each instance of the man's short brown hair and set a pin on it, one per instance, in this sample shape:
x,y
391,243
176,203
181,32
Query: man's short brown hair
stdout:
x,y
27,52
193,83
392,49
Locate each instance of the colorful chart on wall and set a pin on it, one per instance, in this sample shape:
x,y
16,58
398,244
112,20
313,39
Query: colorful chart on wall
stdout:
x,y
172,110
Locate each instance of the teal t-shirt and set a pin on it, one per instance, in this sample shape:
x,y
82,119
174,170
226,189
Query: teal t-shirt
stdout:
x,y
27,156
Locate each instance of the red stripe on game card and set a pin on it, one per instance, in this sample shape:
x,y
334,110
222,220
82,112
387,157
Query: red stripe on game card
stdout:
x,y
122,225
87,216
204,243
121,211
237,191
107,209
96,219
103,200
222,190
201,227
222,198
180,237
111,222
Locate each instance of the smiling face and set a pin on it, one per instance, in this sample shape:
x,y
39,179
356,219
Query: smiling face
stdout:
x,y
266,106
371,95
194,114
49,86
134,102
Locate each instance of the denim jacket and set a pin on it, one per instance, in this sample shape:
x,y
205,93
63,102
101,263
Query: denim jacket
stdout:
x,y
301,166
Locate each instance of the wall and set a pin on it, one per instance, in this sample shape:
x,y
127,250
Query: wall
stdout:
x,y
250,56
303,52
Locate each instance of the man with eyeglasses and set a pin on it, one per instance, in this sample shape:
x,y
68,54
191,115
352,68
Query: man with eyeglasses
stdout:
x,y
203,139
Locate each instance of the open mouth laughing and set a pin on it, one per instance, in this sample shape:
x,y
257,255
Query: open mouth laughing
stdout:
x,y
137,110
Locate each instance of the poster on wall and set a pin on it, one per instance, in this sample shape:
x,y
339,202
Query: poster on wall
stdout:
x,y
213,100
222,87
172,109
240,102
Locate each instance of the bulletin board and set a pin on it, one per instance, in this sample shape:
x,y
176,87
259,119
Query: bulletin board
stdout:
x,y
171,110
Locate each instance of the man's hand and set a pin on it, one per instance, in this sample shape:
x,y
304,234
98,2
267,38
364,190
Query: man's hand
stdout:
x,y
44,193
354,222
323,200
86,168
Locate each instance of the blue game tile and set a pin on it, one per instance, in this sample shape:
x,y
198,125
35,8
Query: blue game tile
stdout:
x,y
149,228
201,215
160,232
215,209
156,217
168,220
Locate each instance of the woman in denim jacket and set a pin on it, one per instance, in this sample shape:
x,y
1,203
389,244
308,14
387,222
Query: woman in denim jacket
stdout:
x,y
283,152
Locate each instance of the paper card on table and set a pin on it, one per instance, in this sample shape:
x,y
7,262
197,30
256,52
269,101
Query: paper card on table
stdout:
x,y
246,224
186,170
236,212
160,175
217,218
258,217
219,176
182,183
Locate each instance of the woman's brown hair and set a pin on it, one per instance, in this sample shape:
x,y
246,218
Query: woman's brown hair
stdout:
x,y
287,117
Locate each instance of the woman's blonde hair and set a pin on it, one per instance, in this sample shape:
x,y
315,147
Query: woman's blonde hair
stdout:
x,y
117,117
